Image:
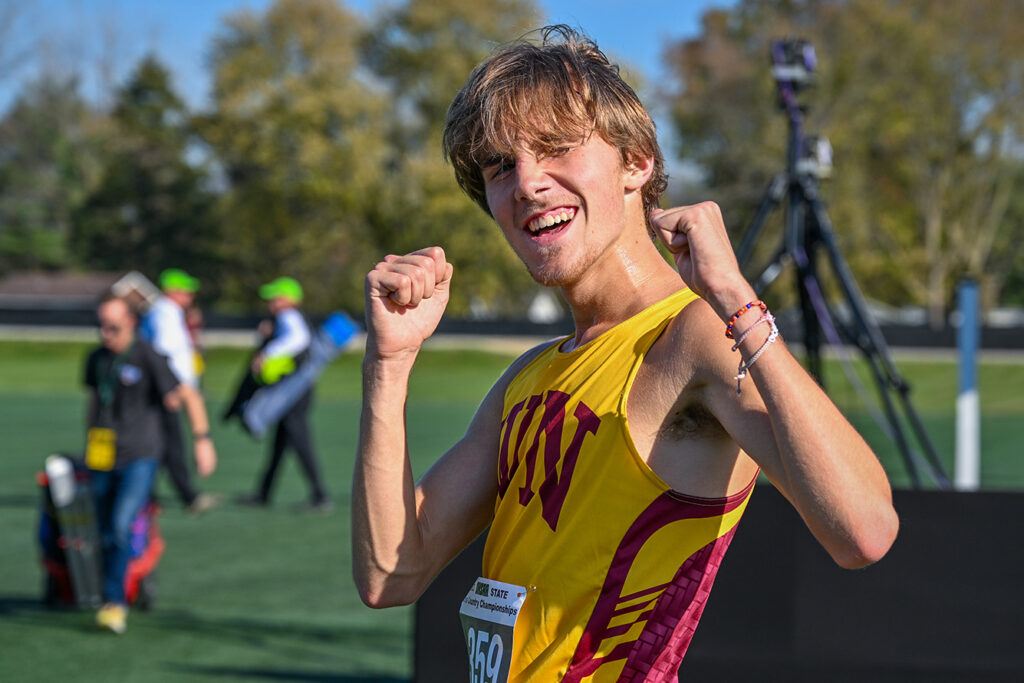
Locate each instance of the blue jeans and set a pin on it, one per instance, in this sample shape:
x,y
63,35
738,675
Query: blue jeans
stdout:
x,y
119,495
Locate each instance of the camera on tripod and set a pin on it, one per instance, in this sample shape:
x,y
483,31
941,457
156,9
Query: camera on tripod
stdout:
x,y
816,157
793,62
808,235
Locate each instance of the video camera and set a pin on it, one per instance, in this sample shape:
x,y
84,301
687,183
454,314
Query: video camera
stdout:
x,y
793,62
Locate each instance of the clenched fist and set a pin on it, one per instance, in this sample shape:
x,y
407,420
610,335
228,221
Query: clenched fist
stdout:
x,y
700,245
405,298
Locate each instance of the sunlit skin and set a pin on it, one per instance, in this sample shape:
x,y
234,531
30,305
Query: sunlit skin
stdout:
x,y
117,325
575,180
605,238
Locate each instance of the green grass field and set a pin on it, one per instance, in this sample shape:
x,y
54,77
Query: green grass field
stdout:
x,y
267,594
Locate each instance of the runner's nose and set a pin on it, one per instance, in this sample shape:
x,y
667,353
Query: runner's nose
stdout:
x,y
531,177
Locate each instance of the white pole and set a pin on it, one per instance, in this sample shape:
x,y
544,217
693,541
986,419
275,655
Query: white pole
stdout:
x,y
967,476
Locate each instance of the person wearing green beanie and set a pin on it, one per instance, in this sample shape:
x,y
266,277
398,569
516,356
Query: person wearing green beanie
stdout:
x,y
284,348
164,327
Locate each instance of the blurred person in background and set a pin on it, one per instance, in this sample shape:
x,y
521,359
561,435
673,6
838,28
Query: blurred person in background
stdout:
x,y
194,322
285,346
166,329
130,387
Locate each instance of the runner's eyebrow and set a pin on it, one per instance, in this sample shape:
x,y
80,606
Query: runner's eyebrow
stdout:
x,y
494,160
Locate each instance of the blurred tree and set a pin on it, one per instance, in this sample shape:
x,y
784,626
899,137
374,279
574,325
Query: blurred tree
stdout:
x,y
922,102
150,209
50,157
424,51
301,133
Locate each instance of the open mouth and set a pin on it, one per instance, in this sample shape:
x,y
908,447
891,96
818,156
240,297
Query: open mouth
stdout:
x,y
551,221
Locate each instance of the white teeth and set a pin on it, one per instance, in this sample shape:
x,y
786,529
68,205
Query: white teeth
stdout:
x,y
541,222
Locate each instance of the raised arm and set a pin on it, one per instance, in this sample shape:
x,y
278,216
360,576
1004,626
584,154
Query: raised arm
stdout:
x,y
404,533
782,419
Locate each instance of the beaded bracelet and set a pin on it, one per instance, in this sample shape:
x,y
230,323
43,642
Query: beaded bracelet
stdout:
x,y
735,316
745,365
766,318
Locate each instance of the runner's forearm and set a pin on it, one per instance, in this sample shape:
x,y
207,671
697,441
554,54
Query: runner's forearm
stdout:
x,y
387,544
825,467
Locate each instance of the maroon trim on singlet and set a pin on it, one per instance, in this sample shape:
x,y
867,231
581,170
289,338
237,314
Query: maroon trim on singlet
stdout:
x,y
656,654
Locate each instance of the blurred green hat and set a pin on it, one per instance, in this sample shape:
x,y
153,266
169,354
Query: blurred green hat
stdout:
x,y
177,279
285,287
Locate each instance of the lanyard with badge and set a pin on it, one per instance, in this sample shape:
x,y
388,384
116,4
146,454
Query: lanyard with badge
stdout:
x,y
489,612
101,441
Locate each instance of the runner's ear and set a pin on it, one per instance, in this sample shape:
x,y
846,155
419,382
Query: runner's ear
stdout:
x,y
638,171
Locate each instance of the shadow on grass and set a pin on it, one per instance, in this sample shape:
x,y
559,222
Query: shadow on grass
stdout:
x,y
289,639
19,500
263,673
12,605
253,631
33,612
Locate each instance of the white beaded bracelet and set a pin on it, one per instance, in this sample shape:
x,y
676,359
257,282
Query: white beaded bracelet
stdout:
x,y
745,365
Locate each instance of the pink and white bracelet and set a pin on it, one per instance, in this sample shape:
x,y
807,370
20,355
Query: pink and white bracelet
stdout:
x,y
745,365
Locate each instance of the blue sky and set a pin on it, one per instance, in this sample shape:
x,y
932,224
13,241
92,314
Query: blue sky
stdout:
x,y
180,31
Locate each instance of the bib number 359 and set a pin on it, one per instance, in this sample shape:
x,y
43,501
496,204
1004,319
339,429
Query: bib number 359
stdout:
x,y
485,654
489,612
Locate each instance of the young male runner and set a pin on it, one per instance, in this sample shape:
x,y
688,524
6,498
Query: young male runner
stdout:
x,y
613,465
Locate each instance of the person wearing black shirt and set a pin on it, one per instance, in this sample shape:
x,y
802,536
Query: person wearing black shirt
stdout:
x,y
128,385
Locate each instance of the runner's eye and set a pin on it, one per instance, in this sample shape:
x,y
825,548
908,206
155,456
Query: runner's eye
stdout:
x,y
555,152
498,167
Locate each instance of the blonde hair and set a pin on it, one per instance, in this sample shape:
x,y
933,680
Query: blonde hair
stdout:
x,y
541,96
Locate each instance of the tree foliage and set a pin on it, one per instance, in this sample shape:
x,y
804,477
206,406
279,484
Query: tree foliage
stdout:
x,y
423,51
300,131
319,151
922,102
150,207
50,147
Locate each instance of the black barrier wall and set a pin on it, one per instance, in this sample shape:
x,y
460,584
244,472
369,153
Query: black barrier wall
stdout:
x,y
946,604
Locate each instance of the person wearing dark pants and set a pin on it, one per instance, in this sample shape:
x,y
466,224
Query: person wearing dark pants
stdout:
x,y
176,466
283,350
293,430
165,328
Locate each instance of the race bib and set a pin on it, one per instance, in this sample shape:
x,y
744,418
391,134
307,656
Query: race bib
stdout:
x,y
489,612
100,449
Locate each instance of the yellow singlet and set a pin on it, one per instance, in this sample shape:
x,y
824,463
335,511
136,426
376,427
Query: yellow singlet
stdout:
x,y
617,564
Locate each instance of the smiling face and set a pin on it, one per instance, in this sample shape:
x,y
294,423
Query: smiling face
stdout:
x,y
546,97
563,211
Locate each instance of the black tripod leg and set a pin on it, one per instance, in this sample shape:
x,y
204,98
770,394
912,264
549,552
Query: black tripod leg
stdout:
x,y
771,271
769,200
798,242
828,321
807,269
872,343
